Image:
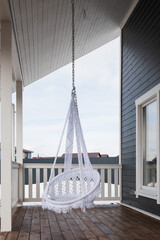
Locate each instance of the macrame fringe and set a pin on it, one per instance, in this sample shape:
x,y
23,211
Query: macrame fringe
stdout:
x,y
83,204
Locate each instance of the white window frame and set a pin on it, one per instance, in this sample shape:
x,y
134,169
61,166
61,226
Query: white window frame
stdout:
x,y
149,192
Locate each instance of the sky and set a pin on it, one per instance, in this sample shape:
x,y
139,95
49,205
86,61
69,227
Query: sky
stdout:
x,y
46,102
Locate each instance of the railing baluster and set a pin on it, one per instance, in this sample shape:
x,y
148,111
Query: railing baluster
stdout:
x,y
109,183
102,183
37,182
24,176
60,184
116,182
59,170
30,183
120,184
44,177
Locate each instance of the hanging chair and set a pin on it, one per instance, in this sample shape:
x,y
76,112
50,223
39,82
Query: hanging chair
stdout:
x,y
75,187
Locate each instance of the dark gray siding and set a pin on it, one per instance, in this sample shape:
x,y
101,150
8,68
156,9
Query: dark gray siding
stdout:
x,y
140,72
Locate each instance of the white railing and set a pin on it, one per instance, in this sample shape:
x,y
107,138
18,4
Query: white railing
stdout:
x,y
15,186
15,183
110,180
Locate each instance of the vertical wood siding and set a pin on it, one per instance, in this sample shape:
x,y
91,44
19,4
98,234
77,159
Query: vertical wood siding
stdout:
x,y
140,73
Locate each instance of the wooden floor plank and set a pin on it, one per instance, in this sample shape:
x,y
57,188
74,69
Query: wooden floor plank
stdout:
x,y
13,235
45,226
78,234
64,227
26,224
87,232
101,223
102,218
3,236
93,228
35,232
54,226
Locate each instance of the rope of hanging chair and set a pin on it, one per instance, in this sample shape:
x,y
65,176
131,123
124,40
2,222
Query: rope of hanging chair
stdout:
x,y
73,52
55,159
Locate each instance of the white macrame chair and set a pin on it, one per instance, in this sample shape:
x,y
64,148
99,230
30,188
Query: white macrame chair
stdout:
x,y
73,188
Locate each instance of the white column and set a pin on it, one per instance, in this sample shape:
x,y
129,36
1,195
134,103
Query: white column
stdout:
x,y
120,95
19,121
13,132
19,134
158,148
6,126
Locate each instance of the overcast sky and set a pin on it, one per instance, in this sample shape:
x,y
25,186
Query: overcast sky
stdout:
x,y
47,100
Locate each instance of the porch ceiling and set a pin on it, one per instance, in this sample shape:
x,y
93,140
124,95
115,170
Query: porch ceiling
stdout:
x,y
43,31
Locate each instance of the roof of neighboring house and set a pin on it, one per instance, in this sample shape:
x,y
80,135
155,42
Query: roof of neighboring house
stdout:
x,y
27,151
91,155
108,160
104,155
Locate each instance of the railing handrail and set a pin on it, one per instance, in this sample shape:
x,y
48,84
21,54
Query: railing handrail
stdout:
x,y
15,165
61,165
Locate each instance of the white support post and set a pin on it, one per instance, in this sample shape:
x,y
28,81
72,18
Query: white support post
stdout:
x,y
13,132
120,127
19,135
158,148
6,126
120,95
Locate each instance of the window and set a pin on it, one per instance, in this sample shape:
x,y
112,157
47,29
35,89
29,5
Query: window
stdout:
x,y
150,144
147,144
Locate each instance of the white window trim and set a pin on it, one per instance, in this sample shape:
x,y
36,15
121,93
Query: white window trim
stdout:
x,y
148,192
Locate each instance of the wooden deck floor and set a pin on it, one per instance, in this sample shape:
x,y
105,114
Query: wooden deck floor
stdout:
x,y
112,222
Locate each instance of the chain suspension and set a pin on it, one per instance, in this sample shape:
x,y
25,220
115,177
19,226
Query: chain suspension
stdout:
x,y
73,52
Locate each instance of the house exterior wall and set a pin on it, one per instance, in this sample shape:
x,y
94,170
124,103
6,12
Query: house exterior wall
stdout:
x,y
140,73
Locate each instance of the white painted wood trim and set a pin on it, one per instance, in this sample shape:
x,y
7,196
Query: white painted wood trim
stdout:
x,y
158,148
13,132
59,170
45,177
21,184
32,200
102,183
60,166
120,127
116,182
141,211
37,182
15,165
19,121
30,183
109,183
151,95
108,199
97,199
19,135
138,147
120,95
6,126
146,194
15,181
120,183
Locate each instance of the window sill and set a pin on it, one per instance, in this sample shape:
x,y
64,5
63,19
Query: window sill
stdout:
x,y
147,193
